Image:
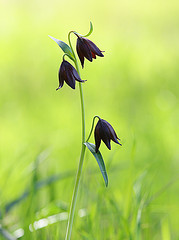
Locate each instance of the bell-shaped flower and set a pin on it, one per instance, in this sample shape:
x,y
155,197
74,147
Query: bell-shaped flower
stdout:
x,y
104,131
68,74
87,49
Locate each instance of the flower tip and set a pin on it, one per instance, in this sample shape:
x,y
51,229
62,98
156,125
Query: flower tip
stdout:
x,y
101,54
58,88
118,141
109,147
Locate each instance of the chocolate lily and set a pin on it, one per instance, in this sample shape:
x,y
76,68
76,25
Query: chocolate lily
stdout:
x,y
87,49
104,131
68,74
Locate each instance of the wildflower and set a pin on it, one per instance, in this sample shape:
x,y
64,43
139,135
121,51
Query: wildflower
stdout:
x,y
104,131
68,74
86,48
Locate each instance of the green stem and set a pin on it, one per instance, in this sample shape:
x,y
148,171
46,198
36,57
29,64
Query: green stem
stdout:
x,y
83,148
92,127
65,55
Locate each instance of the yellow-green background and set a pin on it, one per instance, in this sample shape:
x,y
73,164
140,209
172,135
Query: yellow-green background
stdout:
x,y
134,87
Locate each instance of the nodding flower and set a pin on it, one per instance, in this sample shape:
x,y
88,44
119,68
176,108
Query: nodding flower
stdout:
x,y
68,74
104,131
87,49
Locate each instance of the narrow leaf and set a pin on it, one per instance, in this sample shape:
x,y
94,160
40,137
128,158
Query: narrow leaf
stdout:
x,y
66,49
99,160
89,33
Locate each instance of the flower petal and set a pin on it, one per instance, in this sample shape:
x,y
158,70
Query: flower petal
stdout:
x,y
108,143
70,80
76,76
93,55
60,85
84,48
94,48
97,136
105,134
113,134
80,55
61,76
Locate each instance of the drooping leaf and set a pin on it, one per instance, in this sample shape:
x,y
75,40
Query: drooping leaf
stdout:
x,y
66,49
89,33
99,160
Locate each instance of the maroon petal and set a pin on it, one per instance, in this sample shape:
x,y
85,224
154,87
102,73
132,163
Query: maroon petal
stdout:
x,y
105,133
76,76
60,85
84,48
80,55
94,48
61,76
70,80
97,136
113,134
108,143
93,55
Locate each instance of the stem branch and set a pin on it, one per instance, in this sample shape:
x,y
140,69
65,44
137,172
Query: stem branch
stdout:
x,y
92,127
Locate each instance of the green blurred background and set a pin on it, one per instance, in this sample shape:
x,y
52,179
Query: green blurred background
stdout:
x,y
134,87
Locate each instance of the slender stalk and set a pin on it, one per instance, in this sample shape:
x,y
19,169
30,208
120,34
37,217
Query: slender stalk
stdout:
x,y
83,148
92,127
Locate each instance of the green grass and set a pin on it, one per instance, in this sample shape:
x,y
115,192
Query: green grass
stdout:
x,y
134,87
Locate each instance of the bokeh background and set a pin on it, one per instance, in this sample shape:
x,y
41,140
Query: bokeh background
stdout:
x,y
134,87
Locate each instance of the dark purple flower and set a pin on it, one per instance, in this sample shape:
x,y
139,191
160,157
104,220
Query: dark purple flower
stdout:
x,y
87,49
68,74
104,131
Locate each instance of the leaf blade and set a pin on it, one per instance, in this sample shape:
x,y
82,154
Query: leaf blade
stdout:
x,y
88,34
90,31
99,160
65,48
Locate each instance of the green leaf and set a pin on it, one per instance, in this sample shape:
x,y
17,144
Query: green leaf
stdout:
x,y
89,33
99,160
66,49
